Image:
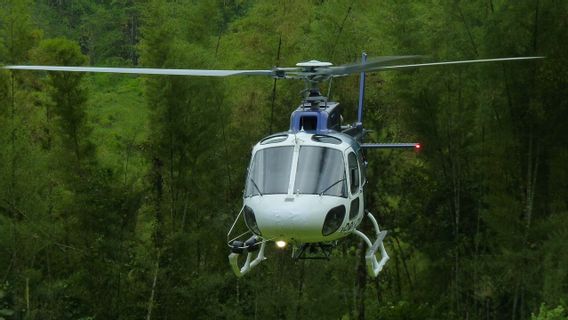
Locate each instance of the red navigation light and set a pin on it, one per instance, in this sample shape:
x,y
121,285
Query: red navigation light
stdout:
x,y
417,146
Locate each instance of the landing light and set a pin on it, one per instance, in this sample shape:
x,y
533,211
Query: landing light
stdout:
x,y
280,244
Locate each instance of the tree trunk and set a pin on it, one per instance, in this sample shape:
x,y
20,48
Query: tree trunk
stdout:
x,y
274,85
404,264
300,290
13,143
361,282
158,189
154,282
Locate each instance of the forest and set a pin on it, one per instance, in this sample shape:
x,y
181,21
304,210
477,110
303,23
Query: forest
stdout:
x,y
117,191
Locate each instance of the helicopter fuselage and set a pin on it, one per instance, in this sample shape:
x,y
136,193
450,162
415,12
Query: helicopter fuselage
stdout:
x,y
305,187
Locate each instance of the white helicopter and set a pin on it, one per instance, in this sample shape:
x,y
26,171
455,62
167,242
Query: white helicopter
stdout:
x,y
304,186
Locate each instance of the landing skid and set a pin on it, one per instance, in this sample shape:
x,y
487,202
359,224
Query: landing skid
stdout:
x,y
374,266
250,247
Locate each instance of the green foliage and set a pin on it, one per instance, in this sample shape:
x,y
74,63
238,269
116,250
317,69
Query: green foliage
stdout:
x,y
18,35
546,313
67,95
116,191
107,30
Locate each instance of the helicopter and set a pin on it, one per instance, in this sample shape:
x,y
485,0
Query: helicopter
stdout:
x,y
304,186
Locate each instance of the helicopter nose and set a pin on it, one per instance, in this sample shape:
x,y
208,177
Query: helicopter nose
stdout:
x,y
298,218
289,222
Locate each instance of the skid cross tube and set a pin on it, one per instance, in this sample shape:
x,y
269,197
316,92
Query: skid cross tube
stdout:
x,y
374,266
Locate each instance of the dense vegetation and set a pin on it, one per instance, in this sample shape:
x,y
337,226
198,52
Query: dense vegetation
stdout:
x,y
116,192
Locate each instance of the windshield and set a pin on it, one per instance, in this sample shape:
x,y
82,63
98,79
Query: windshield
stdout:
x,y
320,171
270,171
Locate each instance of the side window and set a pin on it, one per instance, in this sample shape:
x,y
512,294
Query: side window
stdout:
x,y
363,167
353,173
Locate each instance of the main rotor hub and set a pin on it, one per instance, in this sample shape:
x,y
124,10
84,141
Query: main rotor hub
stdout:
x,y
313,70
314,64
312,73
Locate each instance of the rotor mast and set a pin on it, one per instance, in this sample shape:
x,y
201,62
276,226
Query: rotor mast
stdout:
x,y
312,77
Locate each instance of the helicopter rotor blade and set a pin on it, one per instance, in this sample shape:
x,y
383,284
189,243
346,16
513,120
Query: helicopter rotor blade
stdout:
x,y
172,72
431,64
315,73
370,64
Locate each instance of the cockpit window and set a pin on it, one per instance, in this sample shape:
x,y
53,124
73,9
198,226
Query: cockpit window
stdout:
x,y
274,139
320,171
353,173
270,171
325,139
